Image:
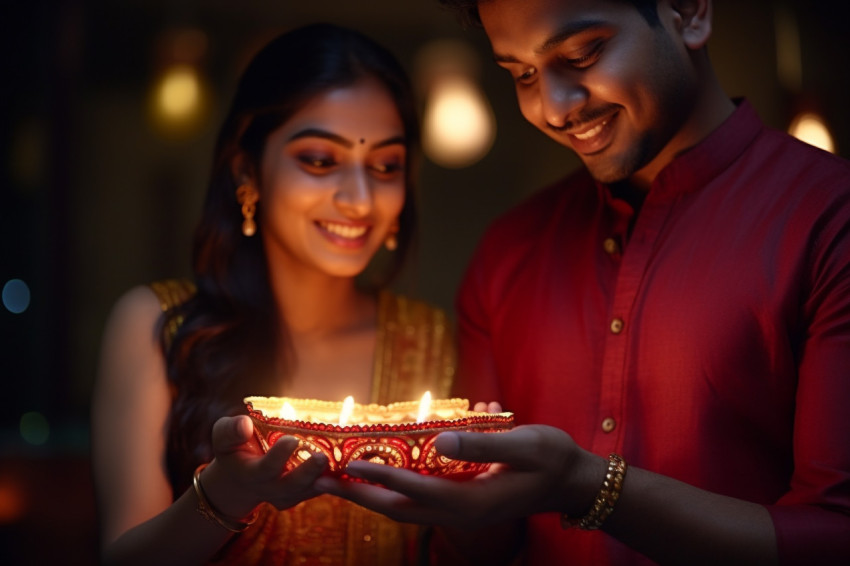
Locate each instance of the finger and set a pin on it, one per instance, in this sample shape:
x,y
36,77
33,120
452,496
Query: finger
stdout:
x,y
491,407
368,495
519,448
438,491
394,505
306,473
330,485
230,433
274,462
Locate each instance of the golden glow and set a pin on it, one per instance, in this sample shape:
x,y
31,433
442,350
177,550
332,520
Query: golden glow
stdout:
x,y
179,100
178,93
424,407
13,500
459,127
287,412
812,129
347,409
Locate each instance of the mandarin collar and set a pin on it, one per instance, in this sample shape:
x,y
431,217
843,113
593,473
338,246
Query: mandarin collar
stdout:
x,y
697,166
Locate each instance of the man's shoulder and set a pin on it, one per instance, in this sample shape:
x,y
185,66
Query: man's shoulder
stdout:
x,y
545,205
792,157
532,225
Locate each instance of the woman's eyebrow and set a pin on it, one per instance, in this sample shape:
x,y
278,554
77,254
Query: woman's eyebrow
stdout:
x,y
338,139
324,134
397,140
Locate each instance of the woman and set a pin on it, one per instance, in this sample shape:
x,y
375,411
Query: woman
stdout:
x,y
311,177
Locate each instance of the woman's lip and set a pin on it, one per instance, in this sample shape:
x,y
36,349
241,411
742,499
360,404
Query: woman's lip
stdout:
x,y
345,234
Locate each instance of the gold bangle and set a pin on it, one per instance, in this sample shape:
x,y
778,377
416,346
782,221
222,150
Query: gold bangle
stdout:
x,y
212,514
605,500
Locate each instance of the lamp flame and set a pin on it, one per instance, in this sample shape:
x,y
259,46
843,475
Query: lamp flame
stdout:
x,y
347,409
287,412
424,407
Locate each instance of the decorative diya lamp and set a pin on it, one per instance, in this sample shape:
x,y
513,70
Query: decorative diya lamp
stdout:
x,y
399,434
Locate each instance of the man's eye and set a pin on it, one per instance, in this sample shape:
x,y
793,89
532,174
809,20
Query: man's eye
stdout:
x,y
526,76
588,58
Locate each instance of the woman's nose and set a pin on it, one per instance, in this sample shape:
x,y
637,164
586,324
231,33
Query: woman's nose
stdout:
x,y
560,96
354,194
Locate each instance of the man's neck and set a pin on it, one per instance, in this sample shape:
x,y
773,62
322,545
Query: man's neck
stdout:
x,y
712,108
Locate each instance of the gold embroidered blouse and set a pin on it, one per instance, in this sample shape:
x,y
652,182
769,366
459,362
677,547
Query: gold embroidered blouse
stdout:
x,y
415,352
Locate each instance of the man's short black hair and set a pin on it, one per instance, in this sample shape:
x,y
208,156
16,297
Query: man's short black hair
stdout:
x,y
468,10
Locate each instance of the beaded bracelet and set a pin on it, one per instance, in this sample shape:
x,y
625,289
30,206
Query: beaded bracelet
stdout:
x,y
605,500
212,514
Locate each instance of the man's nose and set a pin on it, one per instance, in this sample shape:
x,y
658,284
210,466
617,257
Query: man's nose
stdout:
x,y
561,94
354,194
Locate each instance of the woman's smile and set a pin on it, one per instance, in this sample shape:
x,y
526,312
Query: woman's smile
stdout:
x,y
345,234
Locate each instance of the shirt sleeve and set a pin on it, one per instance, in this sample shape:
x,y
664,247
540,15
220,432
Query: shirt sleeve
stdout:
x,y
812,520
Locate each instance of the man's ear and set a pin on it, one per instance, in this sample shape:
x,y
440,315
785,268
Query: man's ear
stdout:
x,y
692,19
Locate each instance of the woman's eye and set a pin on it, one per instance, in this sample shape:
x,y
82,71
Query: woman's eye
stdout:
x,y
317,161
387,168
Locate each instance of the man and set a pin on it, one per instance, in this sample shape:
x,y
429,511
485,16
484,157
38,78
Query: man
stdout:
x,y
681,303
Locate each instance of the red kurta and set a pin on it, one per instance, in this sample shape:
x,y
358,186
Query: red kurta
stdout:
x,y
711,345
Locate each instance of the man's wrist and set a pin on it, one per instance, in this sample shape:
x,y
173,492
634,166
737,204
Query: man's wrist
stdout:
x,y
605,499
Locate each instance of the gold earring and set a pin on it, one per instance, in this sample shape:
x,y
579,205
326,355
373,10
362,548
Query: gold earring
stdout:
x,y
248,197
391,243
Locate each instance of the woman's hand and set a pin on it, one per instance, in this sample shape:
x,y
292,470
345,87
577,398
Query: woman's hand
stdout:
x,y
491,407
241,476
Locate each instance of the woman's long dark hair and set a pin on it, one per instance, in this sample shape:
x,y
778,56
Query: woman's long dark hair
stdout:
x,y
225,347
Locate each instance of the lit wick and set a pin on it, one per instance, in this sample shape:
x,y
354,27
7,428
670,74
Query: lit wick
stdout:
x,y
287,412
347,408
424,407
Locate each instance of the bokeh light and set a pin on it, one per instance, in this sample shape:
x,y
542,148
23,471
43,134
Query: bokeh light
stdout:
x,y
812,129
34,428
178,92
179,96
16,296
13,500
459,127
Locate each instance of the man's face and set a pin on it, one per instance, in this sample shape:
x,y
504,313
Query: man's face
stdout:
x,y
597,78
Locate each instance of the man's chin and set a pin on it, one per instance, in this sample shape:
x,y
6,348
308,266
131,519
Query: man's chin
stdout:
x,y
608,173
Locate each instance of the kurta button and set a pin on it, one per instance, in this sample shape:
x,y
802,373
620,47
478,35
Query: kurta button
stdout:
x,y
617,325
610,246
609,424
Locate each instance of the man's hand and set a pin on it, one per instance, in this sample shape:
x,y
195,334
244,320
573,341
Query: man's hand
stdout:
x,y
531,466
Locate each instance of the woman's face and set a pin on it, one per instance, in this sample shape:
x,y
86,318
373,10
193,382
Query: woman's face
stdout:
x,y
333,181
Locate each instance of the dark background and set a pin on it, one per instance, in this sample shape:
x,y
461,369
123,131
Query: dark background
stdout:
x,y
94,200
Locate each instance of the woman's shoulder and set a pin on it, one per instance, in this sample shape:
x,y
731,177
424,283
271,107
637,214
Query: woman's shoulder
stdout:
x,y
131,343
409,311
135,318
136,304
138,312
172,292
